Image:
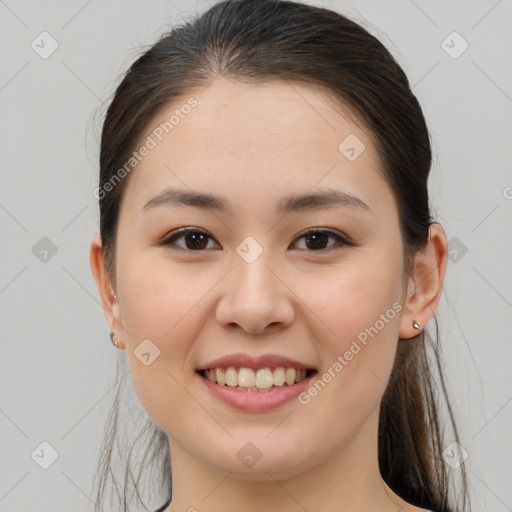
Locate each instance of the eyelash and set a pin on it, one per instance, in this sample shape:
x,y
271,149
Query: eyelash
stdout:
x,y
181,233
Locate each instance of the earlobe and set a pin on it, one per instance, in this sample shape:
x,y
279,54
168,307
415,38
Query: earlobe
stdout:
x,y
426,283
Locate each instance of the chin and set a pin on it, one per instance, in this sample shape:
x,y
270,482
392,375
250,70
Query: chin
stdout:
x,y
245,461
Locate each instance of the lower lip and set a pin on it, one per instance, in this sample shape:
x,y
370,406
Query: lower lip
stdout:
x,y
256,400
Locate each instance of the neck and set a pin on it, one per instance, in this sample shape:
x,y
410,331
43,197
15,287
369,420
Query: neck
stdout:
x,y
348,480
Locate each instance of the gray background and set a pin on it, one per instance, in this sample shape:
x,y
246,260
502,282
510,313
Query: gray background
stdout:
x,y
57,364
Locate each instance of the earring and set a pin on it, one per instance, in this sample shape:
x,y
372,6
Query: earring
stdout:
x,y
415,324
113,339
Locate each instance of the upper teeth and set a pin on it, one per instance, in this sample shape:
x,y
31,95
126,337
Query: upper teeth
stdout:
x,y
246,378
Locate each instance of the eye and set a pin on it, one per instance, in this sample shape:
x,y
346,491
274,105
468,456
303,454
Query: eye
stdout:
x,y
194,238
316,239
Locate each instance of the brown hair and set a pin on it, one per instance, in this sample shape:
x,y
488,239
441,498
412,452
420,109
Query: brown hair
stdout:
x,y
255,41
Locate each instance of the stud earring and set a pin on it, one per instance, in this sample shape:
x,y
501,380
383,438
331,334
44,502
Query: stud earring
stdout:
x,y
415,324
113,339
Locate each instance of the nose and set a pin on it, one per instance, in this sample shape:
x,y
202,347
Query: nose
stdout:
x,y
255,297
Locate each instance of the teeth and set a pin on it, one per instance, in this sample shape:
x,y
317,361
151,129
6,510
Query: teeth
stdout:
x,y
231,377
247,379
290,376
221,376
264,378
279,376
301,375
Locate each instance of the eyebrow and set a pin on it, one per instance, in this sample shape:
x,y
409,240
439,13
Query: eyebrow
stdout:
x,y
324,199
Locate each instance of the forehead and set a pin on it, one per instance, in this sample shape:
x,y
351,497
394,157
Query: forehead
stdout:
x,y
257,137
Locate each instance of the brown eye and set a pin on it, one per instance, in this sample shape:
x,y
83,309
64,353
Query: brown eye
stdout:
x,y
317,240
194,239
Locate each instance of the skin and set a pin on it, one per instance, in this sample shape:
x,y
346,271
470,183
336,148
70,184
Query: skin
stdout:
x,y
254,144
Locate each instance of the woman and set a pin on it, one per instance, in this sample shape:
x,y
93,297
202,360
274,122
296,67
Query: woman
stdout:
x,y
268,261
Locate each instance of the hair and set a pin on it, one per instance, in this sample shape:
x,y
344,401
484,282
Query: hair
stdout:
x,y
258,41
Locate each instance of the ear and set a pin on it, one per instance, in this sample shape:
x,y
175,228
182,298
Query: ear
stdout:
x,y
426,284
106,289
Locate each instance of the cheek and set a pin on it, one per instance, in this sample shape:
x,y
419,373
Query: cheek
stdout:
x,y
157,297
359,311
159,306
350,299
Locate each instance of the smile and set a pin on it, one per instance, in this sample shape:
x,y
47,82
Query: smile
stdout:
x,y
262,379
256,389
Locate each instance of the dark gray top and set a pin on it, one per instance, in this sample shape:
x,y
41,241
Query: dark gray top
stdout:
x,y
164,506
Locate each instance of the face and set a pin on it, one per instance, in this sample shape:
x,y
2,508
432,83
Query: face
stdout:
x,y
249,285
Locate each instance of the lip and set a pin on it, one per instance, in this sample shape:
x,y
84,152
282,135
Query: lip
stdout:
x,y
256,401
264,361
